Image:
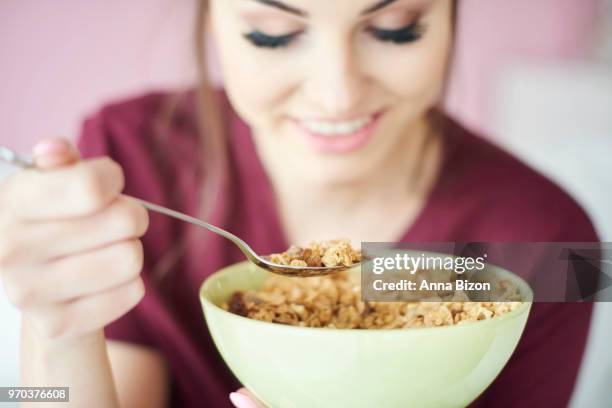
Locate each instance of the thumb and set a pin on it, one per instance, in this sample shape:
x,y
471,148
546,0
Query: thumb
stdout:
x,y
243,398
55,152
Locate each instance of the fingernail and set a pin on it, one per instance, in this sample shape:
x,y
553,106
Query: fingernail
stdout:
x,y
241,400
49,147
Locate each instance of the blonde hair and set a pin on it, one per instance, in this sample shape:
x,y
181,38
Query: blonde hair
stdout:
x,y
212,143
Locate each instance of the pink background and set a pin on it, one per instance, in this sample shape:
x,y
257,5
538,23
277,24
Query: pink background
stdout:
x,y
60,60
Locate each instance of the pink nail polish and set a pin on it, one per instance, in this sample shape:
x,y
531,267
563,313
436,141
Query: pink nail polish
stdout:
x,y
49,147
241,400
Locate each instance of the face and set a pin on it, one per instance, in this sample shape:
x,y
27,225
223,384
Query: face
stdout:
x,y
332,89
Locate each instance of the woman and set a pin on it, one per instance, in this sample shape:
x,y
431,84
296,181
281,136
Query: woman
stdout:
x,y
329,128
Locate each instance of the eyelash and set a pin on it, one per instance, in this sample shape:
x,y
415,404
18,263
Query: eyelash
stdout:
x,y
410,33
262,40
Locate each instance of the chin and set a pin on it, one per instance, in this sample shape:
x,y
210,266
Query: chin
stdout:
x,y
330,171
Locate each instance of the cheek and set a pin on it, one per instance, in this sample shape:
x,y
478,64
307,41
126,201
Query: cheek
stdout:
x,y
257,81
415,73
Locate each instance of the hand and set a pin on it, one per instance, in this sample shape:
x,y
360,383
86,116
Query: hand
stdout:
x,y
244,399
70,254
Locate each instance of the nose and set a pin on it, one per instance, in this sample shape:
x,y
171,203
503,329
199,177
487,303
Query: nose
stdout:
x,y
335,83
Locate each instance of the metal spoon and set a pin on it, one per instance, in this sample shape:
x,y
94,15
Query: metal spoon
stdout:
x,y
15,159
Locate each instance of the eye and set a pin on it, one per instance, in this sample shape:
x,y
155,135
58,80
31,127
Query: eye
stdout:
x,y
259,39
410,33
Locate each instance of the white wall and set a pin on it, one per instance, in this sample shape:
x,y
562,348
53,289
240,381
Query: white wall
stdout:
x,y
9,331
558,118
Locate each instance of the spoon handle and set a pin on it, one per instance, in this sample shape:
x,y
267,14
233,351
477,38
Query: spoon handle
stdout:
x,y
244,247
9,156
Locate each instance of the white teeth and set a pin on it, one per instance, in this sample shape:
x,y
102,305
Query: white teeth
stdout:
x,y
336,128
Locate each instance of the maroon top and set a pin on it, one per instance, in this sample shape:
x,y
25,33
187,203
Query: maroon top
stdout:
x,y
482,194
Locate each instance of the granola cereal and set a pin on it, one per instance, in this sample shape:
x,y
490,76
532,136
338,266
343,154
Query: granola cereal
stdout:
x,y
326,253
335,302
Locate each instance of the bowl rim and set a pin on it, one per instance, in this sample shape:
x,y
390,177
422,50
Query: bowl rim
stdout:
x,y
523,308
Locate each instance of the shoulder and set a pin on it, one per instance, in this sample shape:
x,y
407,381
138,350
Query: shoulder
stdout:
x,y
125,126
155,139
506,193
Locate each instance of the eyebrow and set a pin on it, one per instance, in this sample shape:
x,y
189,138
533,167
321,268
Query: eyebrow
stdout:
x,y
293,10
380,5
283,7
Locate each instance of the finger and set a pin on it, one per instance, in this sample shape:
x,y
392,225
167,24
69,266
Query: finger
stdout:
x,y
69,191
243,398
86,274
34,243
51,153
90,313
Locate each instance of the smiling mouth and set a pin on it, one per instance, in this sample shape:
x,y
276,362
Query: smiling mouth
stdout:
x,y
334,136
335,128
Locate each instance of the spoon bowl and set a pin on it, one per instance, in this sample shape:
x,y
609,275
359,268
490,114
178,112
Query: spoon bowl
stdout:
x,y
302,271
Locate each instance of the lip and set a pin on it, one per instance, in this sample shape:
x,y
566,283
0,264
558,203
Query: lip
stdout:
x,y
339,144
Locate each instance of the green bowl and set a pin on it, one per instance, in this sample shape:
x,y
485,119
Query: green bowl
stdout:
x,y
298,367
